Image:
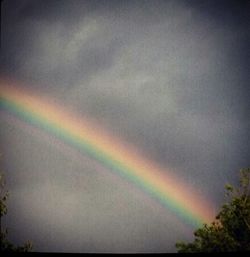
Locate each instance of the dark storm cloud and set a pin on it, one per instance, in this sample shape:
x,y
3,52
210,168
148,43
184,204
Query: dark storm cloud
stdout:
x,y
228,12
171,77
40,19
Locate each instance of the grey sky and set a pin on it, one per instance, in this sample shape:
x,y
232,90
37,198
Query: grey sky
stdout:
x,y
168,76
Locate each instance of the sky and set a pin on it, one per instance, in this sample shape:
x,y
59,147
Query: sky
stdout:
x,y
170,78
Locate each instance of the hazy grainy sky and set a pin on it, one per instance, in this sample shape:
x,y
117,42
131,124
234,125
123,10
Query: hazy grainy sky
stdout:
x,y
169,77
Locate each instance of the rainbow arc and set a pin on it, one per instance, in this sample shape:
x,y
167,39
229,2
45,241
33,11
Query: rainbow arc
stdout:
x,y
114,154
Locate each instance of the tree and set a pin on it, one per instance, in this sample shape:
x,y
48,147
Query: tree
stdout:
x,y
230,232
6,245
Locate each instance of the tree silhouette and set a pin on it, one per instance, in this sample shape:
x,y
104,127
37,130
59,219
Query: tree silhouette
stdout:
x,y
230,232
6,245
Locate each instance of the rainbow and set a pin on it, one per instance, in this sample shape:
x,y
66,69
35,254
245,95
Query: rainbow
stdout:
x,y
117,156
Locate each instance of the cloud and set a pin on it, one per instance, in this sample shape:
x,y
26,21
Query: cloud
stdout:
x,y
168,76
